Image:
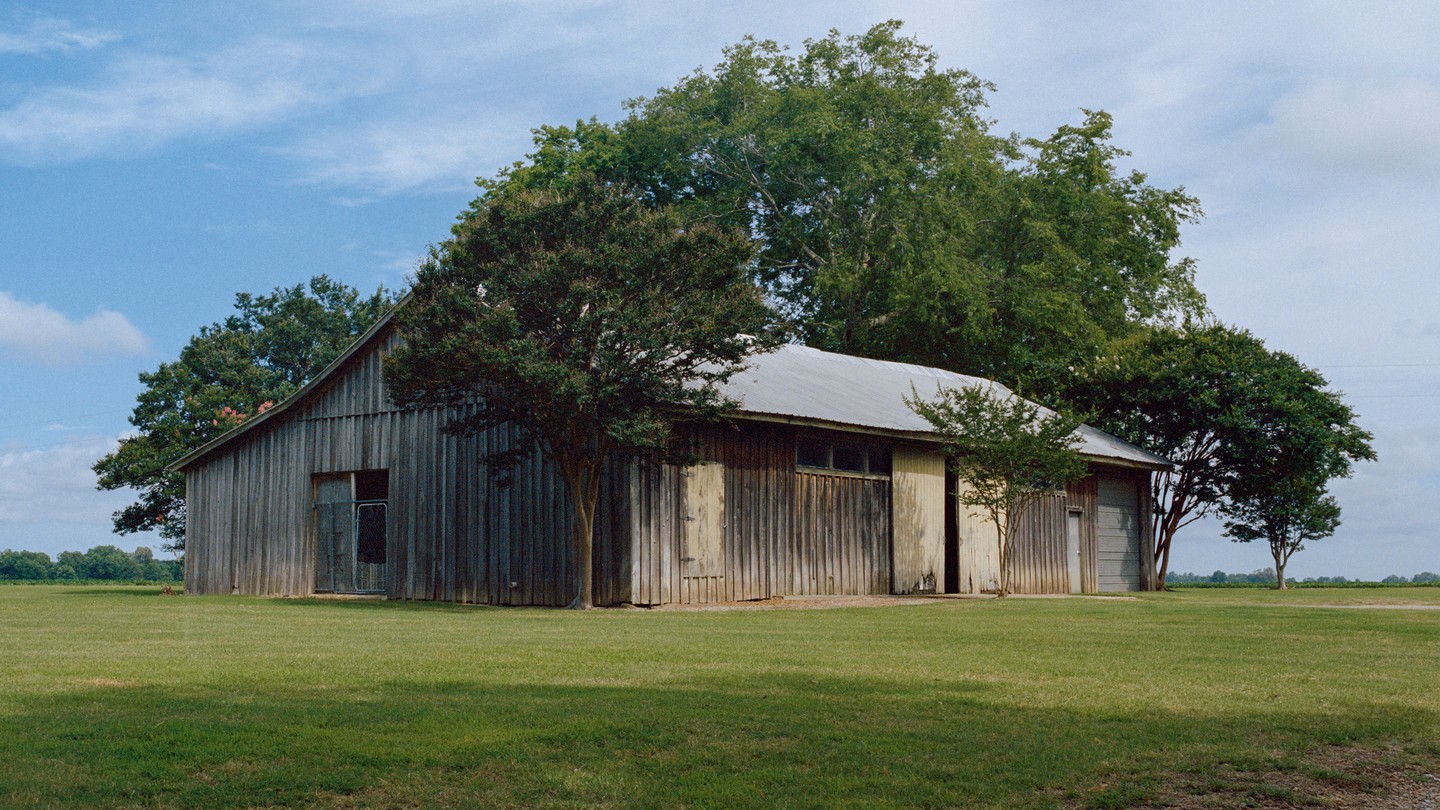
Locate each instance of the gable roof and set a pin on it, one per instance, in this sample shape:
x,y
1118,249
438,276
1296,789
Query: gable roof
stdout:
x,y
795,384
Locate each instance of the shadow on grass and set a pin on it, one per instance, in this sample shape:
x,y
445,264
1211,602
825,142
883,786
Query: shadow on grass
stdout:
x,y
721,740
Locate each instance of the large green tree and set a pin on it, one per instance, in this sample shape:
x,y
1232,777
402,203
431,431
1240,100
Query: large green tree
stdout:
x,y
891,221
231,370
1231,413
586,319
1009,451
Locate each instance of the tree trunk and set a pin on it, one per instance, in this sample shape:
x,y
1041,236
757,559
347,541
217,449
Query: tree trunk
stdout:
x,y
584,492
1280,561
1003,546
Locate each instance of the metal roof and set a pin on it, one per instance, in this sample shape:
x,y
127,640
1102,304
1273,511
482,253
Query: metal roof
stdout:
x,y
793,383
805,384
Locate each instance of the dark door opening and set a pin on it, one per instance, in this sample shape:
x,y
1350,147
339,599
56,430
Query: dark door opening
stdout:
x,y
952,534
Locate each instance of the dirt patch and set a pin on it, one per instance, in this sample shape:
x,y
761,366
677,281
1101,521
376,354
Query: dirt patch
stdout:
x,y
809,603
1348,777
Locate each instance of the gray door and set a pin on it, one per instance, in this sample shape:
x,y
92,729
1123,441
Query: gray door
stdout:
x,y
334,534
1072,548
1117,535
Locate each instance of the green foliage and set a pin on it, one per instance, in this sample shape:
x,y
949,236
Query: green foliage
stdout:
x,y
99,564
584,318
1008,450
890,221
33,565
1228,411
230,371
1286,514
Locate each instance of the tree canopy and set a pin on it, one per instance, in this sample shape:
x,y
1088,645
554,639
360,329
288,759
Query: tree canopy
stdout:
x,y
586,319
890,220
1007,450
230,371
1231,413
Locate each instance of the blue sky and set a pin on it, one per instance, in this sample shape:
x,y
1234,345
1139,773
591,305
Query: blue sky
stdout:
x,y
156,158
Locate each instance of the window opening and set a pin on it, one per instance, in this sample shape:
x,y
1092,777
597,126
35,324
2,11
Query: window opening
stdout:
x,y
842,457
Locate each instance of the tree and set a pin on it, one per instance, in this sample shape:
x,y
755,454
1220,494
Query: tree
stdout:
x,y
25,565
230,371
109,562
891,222
1008,450
1285,517
587,319
1214,400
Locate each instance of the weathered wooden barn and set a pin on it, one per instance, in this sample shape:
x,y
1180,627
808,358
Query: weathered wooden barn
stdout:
x,y
823,483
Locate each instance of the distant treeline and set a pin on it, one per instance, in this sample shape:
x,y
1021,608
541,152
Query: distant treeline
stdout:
x,y
1266,576
99,563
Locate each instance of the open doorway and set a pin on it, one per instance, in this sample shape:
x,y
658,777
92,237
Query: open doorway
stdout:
x,y
351,530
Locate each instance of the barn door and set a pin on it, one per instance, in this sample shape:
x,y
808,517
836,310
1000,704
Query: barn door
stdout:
x,y
334,534
704,520
1117,536
1073,522
350,535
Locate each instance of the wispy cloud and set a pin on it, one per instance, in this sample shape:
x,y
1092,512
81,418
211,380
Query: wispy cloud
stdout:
x,y
385,157
35,331
142,102
48,35
1347,126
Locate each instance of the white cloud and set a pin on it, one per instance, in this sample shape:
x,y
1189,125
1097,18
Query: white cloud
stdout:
x,y
34,331
47,35
145,101
56,484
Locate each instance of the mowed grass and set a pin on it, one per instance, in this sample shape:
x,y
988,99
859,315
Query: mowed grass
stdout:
x,y
123,697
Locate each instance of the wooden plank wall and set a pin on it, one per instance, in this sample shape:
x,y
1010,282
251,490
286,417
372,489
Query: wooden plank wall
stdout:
x,y
1040,564
918,494
455,532
786,532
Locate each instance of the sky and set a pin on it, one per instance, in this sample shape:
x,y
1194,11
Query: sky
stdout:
x,y
157,158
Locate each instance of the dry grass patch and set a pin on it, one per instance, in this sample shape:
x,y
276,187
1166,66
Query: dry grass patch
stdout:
x,y
1341,777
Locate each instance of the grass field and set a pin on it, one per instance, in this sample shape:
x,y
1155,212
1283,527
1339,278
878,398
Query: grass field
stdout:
x,y
122,697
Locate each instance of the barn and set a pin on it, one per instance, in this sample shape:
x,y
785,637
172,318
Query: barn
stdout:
x,y
824,483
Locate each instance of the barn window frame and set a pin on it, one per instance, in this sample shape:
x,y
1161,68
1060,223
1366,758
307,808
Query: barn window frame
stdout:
x,y
818,455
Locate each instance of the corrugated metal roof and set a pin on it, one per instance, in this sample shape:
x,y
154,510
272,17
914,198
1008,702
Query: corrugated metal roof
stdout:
x,y
799,382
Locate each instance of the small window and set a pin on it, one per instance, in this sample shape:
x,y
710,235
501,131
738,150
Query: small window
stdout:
x,y
879,462
842,457
812,454
372,485
849,458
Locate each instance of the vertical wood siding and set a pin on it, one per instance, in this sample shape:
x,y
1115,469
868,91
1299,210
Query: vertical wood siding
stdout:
x,y
1040,564
786,532
454,531
918,492
457,533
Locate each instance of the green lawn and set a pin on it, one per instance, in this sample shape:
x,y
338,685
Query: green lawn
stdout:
x,y
122,697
